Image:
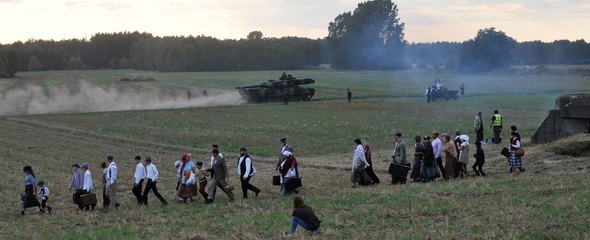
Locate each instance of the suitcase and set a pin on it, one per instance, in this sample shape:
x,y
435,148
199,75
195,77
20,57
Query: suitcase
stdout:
x,y
88,199
276,180
293,184
398,170
505,152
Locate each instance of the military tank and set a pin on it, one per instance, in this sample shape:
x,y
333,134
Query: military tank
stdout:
x,y
286,88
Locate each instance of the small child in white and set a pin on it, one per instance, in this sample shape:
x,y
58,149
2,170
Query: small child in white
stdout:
x,y
44,193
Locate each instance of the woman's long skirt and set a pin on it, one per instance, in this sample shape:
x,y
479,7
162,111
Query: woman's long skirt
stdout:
x,y
29,200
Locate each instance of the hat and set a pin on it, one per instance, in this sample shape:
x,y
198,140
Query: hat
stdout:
x,y
177,163
287,153
243,149
85,165
283,139
75,165
110,157
148,159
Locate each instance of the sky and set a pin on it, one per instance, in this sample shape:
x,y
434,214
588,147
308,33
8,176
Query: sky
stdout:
x,y
425,20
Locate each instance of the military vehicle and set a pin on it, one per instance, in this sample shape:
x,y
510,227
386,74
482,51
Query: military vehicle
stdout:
x,y
571,117
441,93
286,88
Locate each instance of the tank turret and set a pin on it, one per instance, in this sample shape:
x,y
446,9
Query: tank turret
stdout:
x,y
285,88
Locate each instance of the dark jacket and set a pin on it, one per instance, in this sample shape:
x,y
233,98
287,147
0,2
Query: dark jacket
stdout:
x,y
479,155
428,154
307,215
220,169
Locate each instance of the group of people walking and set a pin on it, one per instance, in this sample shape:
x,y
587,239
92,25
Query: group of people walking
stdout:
x,y
429,151
192,180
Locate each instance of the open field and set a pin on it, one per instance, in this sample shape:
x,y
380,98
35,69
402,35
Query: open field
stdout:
x,y
551,200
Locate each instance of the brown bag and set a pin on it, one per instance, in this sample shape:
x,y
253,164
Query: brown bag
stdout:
x,y
228,188
519,152
88,199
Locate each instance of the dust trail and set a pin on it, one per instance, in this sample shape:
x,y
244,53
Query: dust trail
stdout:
x,y
88,97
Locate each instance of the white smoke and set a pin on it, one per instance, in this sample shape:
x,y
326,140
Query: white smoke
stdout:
x,y
88,97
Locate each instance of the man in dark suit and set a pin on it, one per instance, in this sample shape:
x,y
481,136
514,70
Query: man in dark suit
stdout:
x,y
219,178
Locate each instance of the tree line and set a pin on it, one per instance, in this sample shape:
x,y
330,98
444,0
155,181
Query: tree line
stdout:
x,y
143,51
369,38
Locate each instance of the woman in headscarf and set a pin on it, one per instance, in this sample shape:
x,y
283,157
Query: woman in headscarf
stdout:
x,y
418,154
289,172
29,197
185,171
369,169
463,159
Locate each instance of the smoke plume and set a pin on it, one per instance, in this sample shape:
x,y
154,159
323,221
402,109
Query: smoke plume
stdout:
x,y
88,97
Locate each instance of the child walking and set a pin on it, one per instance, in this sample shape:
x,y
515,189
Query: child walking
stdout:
x,y
202,178
44,192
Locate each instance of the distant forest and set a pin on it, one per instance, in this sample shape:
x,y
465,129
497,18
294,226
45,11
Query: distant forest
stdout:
x,y
143,51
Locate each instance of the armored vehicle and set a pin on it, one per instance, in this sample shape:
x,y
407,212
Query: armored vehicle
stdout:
x,y
285,88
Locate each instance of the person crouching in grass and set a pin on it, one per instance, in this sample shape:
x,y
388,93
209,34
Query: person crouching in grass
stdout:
x,y
303,216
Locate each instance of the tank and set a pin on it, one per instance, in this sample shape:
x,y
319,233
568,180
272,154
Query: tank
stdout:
x,y
285,88
571,116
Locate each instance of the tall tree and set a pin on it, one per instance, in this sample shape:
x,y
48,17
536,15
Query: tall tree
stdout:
x,y
371,37
489,50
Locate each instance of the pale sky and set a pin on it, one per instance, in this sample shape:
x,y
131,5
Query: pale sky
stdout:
x,y
426,20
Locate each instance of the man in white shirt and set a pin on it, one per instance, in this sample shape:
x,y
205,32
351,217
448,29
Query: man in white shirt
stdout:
x,y
112,180
152,178
246,171
88,185
437,147
284,148
359,163
138,179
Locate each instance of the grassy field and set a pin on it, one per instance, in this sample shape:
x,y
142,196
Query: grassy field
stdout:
x,y
551,200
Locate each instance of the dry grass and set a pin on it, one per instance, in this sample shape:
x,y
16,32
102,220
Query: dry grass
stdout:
x,y
548,201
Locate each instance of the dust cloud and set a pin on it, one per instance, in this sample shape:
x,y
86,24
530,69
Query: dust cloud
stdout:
x,y
88,97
